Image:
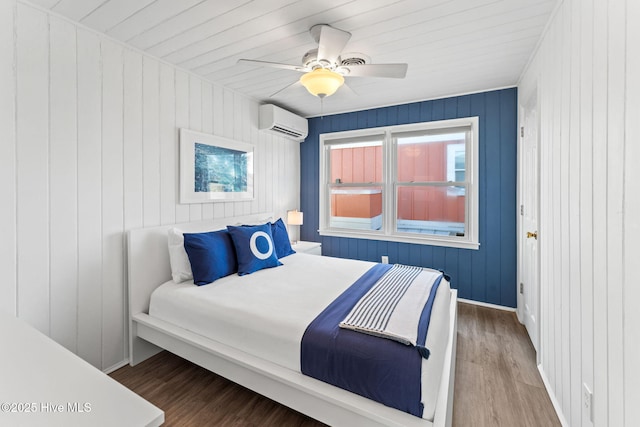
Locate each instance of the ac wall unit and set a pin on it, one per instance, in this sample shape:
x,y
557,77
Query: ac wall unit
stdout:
x,y
282,122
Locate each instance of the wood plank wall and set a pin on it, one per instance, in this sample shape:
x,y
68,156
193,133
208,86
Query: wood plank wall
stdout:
x,y
486,275
89,143
586,74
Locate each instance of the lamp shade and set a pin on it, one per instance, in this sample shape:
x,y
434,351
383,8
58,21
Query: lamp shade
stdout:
x,y
294,218
322,82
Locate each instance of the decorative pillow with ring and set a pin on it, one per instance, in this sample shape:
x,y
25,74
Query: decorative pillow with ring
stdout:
x,y
254,246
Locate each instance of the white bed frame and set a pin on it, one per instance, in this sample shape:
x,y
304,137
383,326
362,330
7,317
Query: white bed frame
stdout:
x,y
148,264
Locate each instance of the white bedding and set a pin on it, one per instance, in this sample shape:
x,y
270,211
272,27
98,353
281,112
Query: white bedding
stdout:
x,y
266,313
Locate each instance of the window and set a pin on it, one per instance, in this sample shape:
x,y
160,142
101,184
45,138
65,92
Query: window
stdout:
x,y
455,160
355,183
411,183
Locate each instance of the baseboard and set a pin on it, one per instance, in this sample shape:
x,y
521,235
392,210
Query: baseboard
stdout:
x,y
552,396
116,366
486,304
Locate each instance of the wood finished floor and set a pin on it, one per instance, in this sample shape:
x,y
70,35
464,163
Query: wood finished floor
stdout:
x,y
497,383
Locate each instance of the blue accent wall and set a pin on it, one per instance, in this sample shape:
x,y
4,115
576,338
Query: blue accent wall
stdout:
x,y
485,275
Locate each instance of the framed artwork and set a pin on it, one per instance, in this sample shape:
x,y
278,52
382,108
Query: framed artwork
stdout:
x,y
214,169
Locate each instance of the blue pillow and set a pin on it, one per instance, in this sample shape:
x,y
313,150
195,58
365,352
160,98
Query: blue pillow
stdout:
x,y
211,255
254,248
281,239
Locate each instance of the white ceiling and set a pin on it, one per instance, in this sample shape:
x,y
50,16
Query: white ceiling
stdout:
x,y
451,46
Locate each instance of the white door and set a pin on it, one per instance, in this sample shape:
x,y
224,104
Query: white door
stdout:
x,y
529,271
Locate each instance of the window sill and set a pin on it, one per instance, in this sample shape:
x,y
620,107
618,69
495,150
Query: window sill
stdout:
x,y
431,240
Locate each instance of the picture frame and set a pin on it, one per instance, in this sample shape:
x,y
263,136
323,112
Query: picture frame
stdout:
x,y
214,169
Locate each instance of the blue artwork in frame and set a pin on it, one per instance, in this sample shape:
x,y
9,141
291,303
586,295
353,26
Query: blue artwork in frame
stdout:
x,y
214,169
219,169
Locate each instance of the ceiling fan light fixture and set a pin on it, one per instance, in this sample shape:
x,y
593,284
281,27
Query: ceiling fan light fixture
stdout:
x,y
322,82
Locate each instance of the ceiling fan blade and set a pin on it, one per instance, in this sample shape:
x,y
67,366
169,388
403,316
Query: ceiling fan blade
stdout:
x,y
395,71
273,65
331,41
294,84
347,90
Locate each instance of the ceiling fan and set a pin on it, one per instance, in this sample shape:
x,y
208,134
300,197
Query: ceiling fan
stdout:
x,y
324,69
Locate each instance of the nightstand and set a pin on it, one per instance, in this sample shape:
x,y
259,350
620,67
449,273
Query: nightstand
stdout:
x,y
313,248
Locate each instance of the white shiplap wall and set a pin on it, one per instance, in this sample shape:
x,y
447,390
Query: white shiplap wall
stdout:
x,y
587,74
89,143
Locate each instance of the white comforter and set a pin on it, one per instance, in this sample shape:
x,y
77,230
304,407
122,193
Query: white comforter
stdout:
x,y
267,312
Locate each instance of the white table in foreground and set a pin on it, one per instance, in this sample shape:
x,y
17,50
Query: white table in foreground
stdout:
x,y
313,248
43,383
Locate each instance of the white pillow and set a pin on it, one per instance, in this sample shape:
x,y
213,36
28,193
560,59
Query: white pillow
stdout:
x,y
180,265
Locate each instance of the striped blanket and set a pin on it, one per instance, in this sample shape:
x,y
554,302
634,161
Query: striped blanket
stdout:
x,y
393,307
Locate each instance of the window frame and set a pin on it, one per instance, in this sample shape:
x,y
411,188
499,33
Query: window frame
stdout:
x,y
390,183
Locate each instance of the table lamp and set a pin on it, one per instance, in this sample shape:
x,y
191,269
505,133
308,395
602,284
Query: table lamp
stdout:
x,y
294,217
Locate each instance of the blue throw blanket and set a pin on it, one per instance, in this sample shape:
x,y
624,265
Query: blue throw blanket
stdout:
x,y
377,368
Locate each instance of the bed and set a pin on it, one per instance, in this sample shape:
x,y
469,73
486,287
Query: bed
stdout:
x,y
271,370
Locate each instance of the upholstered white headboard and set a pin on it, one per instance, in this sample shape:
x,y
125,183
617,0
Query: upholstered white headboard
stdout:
x,y
148,261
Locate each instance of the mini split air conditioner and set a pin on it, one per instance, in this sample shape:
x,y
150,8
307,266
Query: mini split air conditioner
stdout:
x,y
282,122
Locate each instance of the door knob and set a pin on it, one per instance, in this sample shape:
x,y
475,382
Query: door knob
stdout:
x,y
534,235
